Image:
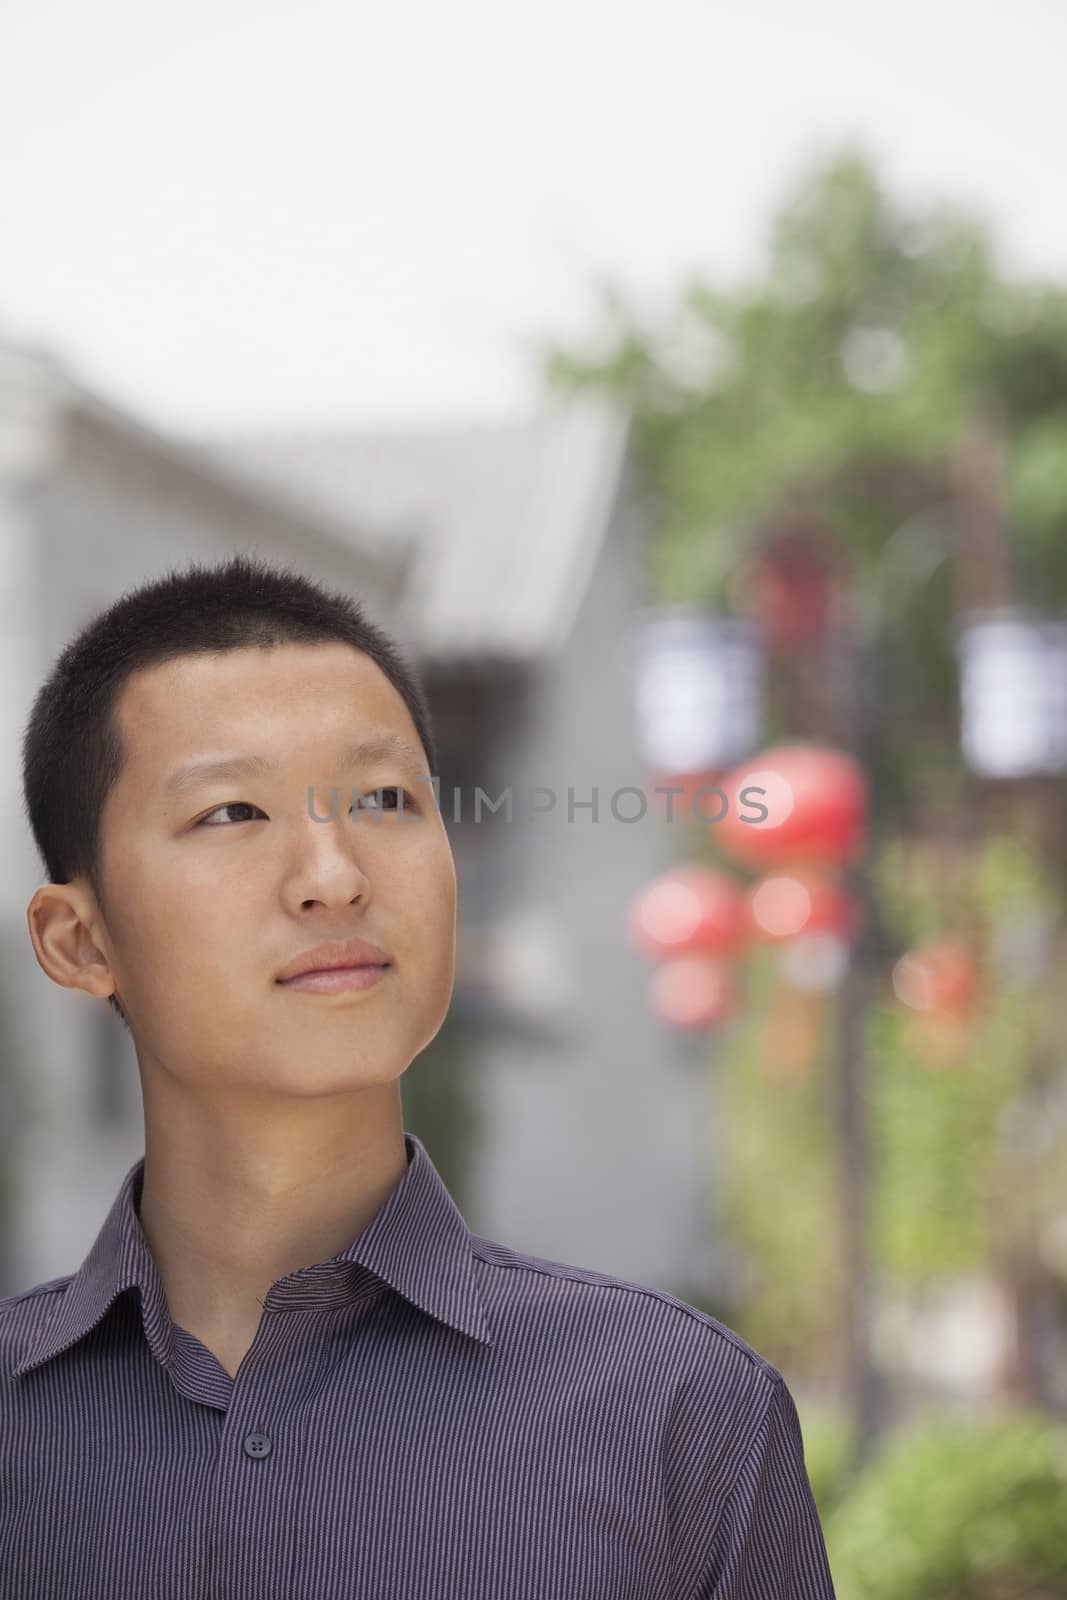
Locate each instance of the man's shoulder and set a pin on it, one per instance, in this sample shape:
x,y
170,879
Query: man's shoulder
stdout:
x,y
647,1328
23,1317
671,1377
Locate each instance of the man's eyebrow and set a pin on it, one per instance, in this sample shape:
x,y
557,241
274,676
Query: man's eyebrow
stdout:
x,y
380,747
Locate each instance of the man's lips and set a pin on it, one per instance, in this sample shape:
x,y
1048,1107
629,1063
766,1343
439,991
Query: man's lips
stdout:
x,y
335,953
336,980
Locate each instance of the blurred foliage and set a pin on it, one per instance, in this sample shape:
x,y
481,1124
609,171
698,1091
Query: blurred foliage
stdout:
x,y
781,1230
951,1178
946,1509
834,384
828,1455
934,1151
950,1182
831,388
954,1510
847,366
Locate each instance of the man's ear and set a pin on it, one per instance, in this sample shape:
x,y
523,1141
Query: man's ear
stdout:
x,y
64,929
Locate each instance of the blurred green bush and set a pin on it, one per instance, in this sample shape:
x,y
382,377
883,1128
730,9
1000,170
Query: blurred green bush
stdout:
x,y
954,1509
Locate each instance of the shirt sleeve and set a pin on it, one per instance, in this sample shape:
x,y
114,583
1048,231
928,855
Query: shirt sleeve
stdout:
x,y
768,1543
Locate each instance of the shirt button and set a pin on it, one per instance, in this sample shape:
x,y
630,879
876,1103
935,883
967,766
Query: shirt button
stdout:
x,y
257,1445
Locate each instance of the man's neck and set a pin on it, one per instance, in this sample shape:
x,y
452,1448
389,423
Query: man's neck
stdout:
x,y
225,1216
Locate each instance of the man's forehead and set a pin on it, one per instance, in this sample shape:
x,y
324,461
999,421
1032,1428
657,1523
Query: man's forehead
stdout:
x,y
172,685
168,729
287,659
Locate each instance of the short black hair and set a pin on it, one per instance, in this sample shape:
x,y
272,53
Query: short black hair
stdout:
x,y
72,751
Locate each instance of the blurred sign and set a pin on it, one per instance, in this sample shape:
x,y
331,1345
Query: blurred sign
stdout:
x,y
1013,693
699,689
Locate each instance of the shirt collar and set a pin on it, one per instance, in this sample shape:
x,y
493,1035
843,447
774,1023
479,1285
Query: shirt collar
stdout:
x,y
418,1243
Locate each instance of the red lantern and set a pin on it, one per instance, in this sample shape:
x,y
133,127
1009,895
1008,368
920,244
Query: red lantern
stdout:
x,y
691,991
686,910
939,985
801,802
787,586
799,901
793,606
940,977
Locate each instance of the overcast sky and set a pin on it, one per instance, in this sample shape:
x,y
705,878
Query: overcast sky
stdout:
x,y
227,214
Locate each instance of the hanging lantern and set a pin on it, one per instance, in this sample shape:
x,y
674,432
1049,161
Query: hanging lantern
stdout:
x,y
692,991
1013,693
787,586
692,909
940,977
799,802
799,900
938,986
698,689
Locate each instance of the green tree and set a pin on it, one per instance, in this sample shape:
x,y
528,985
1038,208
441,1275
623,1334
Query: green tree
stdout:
x,y
836,381
839,377
955,1510
871,332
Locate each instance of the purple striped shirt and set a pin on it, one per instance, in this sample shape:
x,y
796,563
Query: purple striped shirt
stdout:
x,y
428,1415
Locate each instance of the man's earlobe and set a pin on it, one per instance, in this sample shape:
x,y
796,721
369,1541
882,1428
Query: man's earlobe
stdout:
x,y
58,918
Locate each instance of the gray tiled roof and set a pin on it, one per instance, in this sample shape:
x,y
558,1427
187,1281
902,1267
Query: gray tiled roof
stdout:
x,y
41,398
506,517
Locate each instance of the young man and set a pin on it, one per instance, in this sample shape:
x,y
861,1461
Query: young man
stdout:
x,y
286,1367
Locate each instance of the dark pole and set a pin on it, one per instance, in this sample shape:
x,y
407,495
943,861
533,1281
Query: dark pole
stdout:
x,y
851,670
826,692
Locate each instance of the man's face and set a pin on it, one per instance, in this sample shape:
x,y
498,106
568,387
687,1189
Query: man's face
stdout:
x,y
214,888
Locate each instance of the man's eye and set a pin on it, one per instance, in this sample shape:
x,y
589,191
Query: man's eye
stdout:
x,y
229,805
377,799
384,799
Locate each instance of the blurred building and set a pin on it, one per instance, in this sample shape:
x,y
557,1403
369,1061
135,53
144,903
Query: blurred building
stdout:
x,y
508,561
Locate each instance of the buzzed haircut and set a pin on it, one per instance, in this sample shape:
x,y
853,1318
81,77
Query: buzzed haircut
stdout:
x,y
72,749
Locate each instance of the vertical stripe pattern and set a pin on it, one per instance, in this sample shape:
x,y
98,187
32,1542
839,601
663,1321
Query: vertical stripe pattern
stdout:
x,y
429,1415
